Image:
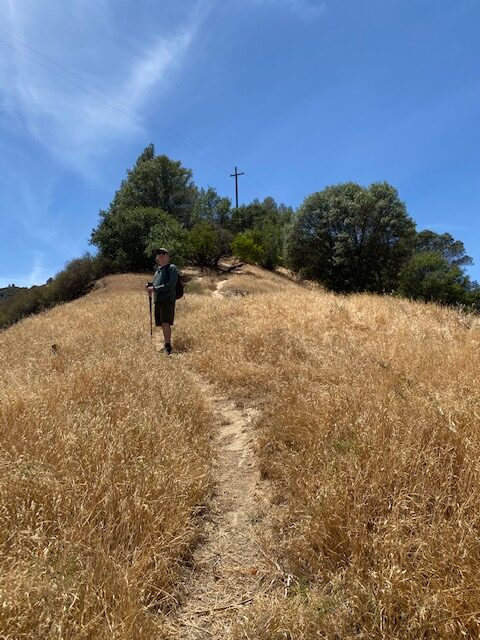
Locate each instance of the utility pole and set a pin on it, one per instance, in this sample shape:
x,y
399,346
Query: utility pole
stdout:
x,y
235,175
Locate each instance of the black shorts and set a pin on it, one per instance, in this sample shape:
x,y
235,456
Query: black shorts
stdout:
x,y
164,312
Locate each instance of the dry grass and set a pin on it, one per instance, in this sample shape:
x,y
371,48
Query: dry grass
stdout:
x,y
370,430
104,462
199,281
253,280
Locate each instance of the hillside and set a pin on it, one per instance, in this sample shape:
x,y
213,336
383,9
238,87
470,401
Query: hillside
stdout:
x,y
8,292
305,466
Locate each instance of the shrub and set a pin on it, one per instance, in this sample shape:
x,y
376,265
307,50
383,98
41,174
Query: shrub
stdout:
x,y
247,246
207,243
429,276
75,280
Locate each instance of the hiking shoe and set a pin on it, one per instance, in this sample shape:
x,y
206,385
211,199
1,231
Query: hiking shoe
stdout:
x,y
167,349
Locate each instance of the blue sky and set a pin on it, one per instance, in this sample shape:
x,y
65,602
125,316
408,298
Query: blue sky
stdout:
x,y
299,94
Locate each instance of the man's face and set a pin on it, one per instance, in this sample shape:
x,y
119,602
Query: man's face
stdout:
x,y
162,259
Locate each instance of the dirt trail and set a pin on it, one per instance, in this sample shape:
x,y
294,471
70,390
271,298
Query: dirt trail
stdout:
x,y
218,291
229,569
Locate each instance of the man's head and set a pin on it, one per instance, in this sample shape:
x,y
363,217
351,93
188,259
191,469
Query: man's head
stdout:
x,y
162,256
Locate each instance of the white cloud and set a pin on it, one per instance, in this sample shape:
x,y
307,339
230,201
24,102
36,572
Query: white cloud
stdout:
x,y
69,117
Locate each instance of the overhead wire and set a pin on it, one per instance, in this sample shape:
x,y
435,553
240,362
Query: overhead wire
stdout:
x,y
125,110
255,182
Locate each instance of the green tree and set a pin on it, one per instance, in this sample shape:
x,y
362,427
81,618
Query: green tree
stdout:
x,y
272,240
260,246
352,238
207,243
211,207
453,251
247,246
254,215
74,280
246,217
123,234
172,235
270,223
473,296
157,182
430,277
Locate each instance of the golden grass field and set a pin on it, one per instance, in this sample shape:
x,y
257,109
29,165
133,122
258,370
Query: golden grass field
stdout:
x,y
369,430
104,461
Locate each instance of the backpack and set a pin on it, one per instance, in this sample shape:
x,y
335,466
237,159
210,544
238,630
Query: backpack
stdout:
x,y
179,287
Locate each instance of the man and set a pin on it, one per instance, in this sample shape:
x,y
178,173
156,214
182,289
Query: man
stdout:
x,y
164,286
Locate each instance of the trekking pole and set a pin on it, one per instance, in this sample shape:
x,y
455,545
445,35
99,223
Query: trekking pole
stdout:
x,y
150,305
150,284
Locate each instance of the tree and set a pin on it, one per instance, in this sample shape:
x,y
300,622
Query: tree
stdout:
x,y
272,242
207,243
352,238
211,207
473,296
246,217
260,246
430,277
453,251
123,234
74,280
172,235
253,215
157,182
247,246
270,223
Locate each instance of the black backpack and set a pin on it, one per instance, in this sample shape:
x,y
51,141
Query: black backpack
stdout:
x,y
179,287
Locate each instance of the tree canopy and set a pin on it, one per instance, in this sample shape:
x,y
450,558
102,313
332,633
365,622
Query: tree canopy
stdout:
x,y
453,251
209,206
430,277
157,182
123,235
349,237
352,238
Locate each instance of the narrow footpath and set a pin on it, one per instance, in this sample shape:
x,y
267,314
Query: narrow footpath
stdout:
x,y
229,569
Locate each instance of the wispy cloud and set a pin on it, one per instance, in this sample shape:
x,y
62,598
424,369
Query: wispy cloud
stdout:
x,y
70,117
306,9
37,274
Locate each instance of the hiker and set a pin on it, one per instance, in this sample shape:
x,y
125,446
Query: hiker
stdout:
x,y
164,285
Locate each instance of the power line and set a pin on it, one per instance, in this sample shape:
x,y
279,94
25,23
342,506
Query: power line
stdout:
x,y
126,110
258,184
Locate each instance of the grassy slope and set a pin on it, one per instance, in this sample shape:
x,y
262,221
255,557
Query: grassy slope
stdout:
x,y
103,462
369,429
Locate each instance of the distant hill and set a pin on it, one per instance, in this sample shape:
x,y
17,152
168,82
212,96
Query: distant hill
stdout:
x,y
8,292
